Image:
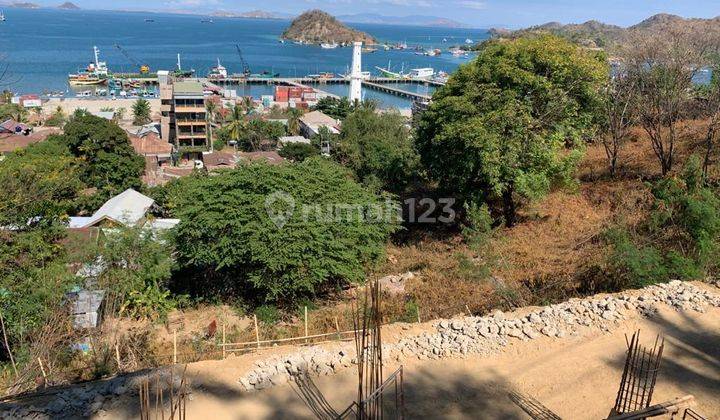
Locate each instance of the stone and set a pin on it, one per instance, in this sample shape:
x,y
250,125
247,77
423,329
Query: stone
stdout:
x,y
530,332
609,315
514,332
549,331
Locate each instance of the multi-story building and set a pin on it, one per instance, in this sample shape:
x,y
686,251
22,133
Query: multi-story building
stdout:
x,y
184,121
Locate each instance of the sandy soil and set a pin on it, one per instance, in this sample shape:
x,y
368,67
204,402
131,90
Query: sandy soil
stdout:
x,y
69,105
576,377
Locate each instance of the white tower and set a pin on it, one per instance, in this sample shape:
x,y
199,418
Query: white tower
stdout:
x,y
356,74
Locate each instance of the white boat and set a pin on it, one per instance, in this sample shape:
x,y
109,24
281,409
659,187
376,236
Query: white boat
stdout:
x,y
327,46
218,72
422,73
96,73
468,41
2,16
84,94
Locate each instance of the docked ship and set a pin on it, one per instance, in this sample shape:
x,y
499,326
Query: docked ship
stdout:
x,y
218,72
96,73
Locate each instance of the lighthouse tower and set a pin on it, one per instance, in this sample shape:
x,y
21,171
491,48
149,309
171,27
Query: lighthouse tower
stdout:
x,y
356,73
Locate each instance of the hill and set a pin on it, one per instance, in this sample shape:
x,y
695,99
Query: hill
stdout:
x,y
597,34
414,20
24,5
69,6
316,27
253,14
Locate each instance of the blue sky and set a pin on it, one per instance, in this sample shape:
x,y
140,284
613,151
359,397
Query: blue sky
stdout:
x,y
478,13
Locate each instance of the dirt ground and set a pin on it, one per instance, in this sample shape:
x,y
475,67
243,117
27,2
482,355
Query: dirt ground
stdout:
x,y
575,377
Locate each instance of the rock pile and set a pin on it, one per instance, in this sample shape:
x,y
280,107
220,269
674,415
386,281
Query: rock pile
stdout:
x,y
488,334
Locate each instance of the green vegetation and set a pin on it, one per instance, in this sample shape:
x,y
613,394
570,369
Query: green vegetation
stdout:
x,y
334,107
141,112
378,148
508,126
230,246
298,152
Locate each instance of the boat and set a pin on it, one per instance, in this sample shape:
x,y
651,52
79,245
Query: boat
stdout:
x,y
207,21
469,41
218,72
328,46
179,72
422,73
149,20
264,75
2,16
369,50
84,94
389,73
96,73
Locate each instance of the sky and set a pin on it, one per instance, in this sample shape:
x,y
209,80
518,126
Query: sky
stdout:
x,y
477,13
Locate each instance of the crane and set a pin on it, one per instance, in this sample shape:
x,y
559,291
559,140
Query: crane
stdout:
x,y
245,67
144,68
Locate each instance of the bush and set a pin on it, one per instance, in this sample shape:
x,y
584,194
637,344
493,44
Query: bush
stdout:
x,y
267,314
229,242
298,152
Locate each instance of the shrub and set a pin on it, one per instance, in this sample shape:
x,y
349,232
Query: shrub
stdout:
x,y
298,152
268,314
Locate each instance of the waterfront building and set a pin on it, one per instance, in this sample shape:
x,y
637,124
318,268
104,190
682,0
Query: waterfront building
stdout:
x,y
184,118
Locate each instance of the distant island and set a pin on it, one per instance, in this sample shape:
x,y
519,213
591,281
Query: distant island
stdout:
x,y
253,14
317,27
69,6
23,5
594,34
413,20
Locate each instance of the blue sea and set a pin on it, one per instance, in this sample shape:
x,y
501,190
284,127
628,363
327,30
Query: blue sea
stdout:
x,y
40,47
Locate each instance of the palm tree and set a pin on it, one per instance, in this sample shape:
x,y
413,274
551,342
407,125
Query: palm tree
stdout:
x,y
237,123
141,112
210,110
293,122
247,104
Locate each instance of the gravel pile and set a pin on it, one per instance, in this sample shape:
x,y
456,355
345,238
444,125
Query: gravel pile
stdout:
x,y
489,334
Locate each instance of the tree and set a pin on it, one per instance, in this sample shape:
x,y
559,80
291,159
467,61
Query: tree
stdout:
x,y
237,123
378,148
298,152
274,233
293,122
109,162
662,68
619,106
337,108
57,118
141,112
498,130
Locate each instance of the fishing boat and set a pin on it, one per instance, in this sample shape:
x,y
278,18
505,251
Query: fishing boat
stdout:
x,y
468,41
96,73
209,20
179,72
389,73
84,94
2,16
329,46
369,50
149,20
218,72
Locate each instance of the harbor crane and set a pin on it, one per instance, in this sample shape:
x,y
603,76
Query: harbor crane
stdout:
x,y
144,68
243,63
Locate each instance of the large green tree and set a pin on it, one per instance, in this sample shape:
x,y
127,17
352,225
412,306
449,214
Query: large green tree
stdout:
x,y
109,162
271,233
378,147
500,129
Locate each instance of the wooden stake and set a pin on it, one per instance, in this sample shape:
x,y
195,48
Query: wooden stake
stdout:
x,y
306,329
418,314
337,327
117,355
468,309
223,338
175,346
42,369
257,331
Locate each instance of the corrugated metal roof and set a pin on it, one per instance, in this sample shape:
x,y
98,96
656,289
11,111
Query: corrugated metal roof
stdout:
x,y
128,208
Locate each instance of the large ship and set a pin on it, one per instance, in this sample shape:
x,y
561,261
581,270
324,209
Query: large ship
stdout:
x,y
218,72
96,73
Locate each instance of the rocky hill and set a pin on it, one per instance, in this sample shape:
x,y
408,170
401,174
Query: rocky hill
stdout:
x,y
69,6
316,27
597,34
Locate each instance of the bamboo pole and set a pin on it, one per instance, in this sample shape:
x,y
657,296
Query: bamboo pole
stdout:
x,y
42,369
175,346
468,310
223,338
418,314
337,327
7,346
257,331
306,325
117,354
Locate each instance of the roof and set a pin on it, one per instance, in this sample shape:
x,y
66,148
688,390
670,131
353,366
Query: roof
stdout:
x,y
108,115
188,88
219,159
293,139
11,142
128,208
318,118
162,224
150,144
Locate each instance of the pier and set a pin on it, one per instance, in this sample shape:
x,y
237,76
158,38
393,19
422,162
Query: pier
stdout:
x,y
397,92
